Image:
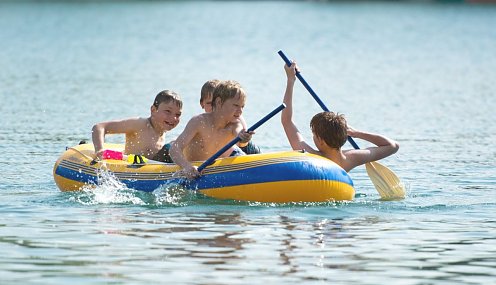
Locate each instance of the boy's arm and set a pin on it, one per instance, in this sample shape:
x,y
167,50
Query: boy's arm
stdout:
x,y
384,148
242,133
99,131
243,122
177,147
244,139
295,138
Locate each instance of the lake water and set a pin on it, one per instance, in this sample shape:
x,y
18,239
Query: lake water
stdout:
x,y
421,73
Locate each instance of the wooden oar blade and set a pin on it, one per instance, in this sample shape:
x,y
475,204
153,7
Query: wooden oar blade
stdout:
x,y
385,181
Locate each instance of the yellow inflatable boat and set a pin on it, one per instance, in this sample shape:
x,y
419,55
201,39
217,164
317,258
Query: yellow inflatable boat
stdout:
x,y
279,177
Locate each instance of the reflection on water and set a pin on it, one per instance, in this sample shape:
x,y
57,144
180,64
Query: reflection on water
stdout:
x,y
251,246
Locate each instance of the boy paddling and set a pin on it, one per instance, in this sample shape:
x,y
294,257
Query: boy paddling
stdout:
x,y
206,96
206,133
330,133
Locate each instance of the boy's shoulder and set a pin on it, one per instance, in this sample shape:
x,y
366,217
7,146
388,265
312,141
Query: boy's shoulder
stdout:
x,y
128,125
198,121
136,123
137,120
203,117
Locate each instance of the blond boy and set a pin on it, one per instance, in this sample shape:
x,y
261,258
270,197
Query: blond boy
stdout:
x,y
206,96
207,133
330,132
144,136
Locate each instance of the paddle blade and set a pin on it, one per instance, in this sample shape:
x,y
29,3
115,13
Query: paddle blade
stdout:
x,y
385,181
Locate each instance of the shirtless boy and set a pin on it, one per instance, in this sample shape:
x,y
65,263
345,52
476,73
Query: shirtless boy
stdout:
x,y
144,136
207,133
206,96
330,133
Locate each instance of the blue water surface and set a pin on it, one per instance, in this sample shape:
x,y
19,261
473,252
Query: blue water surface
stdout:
x,y
421,73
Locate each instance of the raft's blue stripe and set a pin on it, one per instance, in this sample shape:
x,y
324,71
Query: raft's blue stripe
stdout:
x,y
75,175
298,170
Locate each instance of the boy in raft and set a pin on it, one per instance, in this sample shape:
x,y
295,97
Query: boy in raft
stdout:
x,y
206,95
207,133
330,133
144,136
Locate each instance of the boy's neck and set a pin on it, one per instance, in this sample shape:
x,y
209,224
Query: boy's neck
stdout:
x,y
154,128
218,120
333,154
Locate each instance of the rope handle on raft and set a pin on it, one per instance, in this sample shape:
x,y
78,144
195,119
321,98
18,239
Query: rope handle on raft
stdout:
x,y
81,153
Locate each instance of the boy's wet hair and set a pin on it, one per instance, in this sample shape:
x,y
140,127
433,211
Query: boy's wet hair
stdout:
x,y
330,127
208,89
227,89
167,96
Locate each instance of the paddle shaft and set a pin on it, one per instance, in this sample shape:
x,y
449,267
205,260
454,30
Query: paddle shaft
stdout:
x,y
237,139
314,95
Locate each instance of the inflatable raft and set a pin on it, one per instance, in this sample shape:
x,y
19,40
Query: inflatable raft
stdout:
x,y
279,177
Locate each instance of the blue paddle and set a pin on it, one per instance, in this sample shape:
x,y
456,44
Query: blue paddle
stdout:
x,y
236,139
314,95
385,181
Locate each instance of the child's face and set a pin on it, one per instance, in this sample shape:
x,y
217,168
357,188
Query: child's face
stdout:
x,y
206,104
167,115
232,109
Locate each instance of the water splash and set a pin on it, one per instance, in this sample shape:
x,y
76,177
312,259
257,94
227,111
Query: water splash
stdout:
x,y
109,190
172,194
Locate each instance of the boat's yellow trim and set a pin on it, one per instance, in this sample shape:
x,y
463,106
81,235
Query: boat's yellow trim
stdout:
x,y
285,191
65,184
